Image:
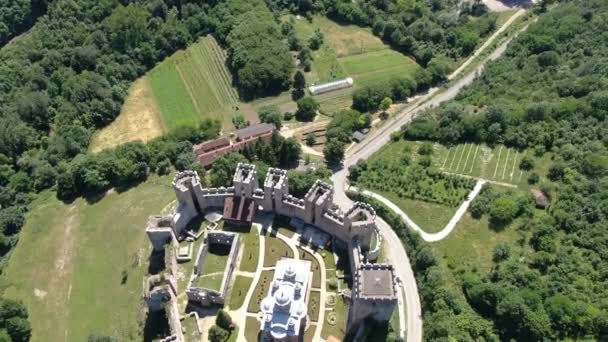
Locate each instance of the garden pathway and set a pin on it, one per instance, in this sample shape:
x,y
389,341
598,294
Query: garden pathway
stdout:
x,y
241,314
429,237
291,242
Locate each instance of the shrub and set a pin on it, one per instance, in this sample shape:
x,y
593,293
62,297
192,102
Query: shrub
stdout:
x,y
223,320
217,334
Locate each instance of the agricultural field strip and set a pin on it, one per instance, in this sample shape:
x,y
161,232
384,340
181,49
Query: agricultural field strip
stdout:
x,y
504,169
367,63
497,162
189,89
461,155
219,60
462,159
198,76
205,64
474,159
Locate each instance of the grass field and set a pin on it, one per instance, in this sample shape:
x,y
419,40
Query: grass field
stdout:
x,y
313,305
314,267
252,329
261,290
194,84
349,51
352,51
498,164
251,251
211,281
239,291
214,262
431,217
472,243
139,119
275,249
68,264
338,330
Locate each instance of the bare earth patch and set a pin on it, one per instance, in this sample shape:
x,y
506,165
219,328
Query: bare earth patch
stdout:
x,y
40,294
139,119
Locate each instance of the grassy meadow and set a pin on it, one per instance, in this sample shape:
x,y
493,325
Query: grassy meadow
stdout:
x,y
79,266
194,84
347,51
494,163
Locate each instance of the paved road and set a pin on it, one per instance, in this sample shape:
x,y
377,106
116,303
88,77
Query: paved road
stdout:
x,y
372,144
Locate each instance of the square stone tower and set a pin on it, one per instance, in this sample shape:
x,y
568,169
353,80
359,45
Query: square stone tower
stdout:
x,y
276,186
245,180
374,294
317,201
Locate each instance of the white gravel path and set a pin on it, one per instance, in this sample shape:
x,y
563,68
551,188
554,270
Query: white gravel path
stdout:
x,y
429,237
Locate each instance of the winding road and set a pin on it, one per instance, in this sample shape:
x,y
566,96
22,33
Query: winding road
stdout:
x,y
372,144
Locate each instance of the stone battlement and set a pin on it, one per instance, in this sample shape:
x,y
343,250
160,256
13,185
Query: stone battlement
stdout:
x,y
374,294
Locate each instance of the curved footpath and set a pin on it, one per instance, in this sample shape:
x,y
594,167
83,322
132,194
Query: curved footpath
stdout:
x,y
428,237
372,144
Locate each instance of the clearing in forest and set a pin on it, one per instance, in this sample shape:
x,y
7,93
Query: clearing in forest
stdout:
x,y
79,269
499,164
349,51
139,119
194,84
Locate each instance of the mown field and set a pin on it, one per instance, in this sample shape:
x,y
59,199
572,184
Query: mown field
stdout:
x,y
79,268
498,163
194,84
349,51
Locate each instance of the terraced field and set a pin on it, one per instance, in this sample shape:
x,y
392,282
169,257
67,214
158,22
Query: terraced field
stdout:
x,y
194,84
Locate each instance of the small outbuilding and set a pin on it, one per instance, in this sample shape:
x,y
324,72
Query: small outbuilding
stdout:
x,y
358,136
541,199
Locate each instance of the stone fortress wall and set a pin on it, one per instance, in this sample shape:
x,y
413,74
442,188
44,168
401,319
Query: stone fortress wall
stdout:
x,y
205,296
355,229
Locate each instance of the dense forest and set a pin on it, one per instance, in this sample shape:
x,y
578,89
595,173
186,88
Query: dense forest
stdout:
x,y
549,93
69,74
16,16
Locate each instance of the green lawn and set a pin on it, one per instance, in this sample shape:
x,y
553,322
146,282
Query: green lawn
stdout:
x,y
314,267
274,250
251,251
186,268
213,282
252,329
194,84
472,243
313,305
431,217
261,290
239,291
338,329
328,258
497,163
175,104
81,250
214,263
349,51
378,66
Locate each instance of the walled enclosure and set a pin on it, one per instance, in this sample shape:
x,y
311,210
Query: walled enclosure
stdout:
x,y
356,228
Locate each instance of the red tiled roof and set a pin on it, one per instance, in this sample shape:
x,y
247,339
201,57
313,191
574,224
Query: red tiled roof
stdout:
x,y
239,209
206,158
211,145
